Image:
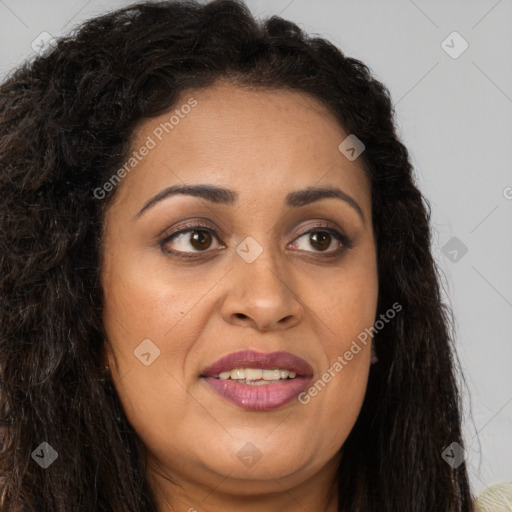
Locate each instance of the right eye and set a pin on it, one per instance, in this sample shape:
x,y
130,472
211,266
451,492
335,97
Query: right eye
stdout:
x,y
192,239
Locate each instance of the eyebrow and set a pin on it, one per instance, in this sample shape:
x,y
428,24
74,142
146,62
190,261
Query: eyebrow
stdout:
x,y
225,196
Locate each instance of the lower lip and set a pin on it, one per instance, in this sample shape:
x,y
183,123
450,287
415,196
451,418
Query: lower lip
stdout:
x,y
258,398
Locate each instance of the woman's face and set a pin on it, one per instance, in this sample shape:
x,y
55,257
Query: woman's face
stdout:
x,y
265,272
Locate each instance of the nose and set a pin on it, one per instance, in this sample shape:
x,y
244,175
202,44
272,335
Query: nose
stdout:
x,y
261,295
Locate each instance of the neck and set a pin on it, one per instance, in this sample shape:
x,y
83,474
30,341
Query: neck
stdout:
x,y
200,492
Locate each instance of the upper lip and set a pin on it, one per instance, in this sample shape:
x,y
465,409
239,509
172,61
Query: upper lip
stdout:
x,y
252,359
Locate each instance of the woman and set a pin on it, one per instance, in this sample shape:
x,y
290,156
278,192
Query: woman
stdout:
x,y
217,286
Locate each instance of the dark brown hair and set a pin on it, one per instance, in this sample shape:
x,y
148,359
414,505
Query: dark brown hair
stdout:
x,y
66,119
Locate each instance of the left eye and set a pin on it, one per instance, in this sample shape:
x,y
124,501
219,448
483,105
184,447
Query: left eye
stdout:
x,y
322,239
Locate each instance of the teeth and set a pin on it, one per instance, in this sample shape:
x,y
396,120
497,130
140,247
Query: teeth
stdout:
x,y
252,374
257,382
274,374
257,376
238,373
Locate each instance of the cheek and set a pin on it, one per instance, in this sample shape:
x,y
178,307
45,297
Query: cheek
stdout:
x,y
346,312
347,302
132,295
334,397
145,301
344,396
140,306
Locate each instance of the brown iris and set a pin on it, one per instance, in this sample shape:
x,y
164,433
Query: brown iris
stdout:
x,y
320,240
200,240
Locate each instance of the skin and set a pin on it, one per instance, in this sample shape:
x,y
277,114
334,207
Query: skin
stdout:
x,y
262,144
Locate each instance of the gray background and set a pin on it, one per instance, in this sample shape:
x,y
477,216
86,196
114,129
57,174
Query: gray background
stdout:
x,y
455,117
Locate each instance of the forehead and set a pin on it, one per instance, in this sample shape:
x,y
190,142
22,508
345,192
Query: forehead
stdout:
x,y
256,141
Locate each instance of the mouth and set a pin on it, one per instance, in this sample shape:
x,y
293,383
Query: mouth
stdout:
x,y
258,381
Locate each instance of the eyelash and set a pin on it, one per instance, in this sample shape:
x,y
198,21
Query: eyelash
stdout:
x,y
320,227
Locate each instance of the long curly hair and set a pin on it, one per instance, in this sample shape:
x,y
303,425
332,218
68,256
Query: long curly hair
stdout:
x,y
66,121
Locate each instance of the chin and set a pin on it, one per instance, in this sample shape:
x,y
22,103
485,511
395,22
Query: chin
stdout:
x,y
257,466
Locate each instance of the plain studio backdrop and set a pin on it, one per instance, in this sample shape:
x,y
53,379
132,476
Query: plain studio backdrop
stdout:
x,y
448,66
